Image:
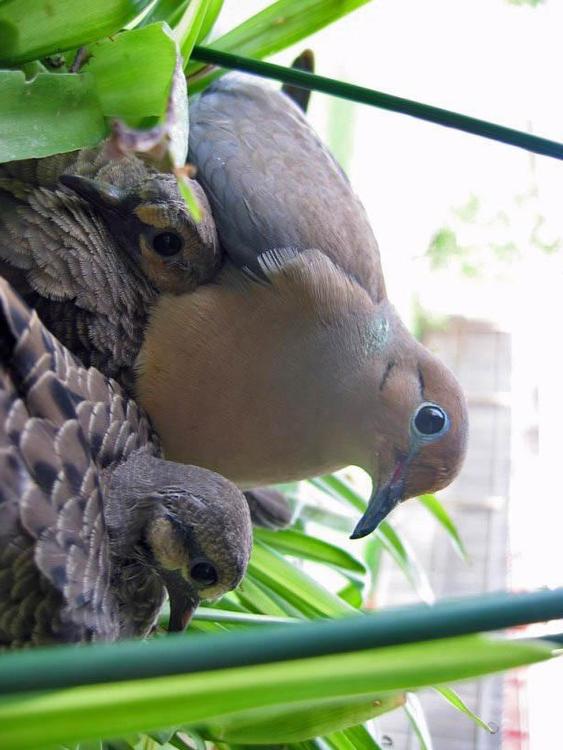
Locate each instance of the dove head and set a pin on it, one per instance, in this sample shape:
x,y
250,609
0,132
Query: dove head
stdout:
x,y
190,526
154,228
418,425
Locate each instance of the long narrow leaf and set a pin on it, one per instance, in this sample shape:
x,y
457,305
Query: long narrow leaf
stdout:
x,y
42,720
485,129
295,585
309,548
35,28
188,28
278,26
453,698
417,720
289,724
435,507
405,559
64,666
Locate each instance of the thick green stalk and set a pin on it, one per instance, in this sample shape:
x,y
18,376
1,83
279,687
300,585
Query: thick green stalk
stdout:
x,y
379,99
41,669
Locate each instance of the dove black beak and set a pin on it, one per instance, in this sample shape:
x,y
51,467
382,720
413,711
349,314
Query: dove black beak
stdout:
x,y
183,600
382,501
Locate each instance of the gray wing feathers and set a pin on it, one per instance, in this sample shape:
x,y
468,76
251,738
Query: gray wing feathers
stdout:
x,y
272,183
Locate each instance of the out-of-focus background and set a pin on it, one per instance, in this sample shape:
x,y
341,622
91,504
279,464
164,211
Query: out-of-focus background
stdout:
x,y
471,237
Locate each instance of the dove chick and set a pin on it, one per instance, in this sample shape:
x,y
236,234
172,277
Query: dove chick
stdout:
x,y
293,362
94,525
93,256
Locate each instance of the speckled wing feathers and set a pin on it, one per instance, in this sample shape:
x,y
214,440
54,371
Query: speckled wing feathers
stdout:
x,y
60,423
59,256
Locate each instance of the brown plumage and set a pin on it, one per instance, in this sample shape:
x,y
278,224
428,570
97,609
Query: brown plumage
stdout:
x,y
293,362
90,243
93,524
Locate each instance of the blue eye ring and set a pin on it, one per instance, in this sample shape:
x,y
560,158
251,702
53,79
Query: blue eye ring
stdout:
x,y
429,422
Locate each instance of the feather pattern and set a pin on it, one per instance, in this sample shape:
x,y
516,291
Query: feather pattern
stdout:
x,y
62,426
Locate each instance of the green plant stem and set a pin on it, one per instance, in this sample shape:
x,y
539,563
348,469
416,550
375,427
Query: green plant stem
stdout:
x,y
379,99
42,669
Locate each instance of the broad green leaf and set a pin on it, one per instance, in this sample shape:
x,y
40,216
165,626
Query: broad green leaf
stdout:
x,y
298,544
276,27
293,584
435,507
32,721
452,697
36,28
120,64
289,724
417,720
49,115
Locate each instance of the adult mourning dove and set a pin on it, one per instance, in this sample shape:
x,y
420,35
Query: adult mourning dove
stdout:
x,y
93,256
94,526
293,361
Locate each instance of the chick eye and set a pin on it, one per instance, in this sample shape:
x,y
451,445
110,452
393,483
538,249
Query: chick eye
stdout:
x,y
204,573
430,420
167,243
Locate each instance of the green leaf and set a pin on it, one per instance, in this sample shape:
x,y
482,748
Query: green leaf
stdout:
x,y
351,739
31,721
452,697
435,507
340,489
48,115
212,614
191,201
290,724
36,28
188,28
260,599
417,720
121,63
293,584
278,26
213,10
310,548
403,555
169,11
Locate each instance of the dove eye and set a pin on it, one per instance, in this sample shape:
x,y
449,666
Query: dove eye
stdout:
x,y
167,243
204,573
430,421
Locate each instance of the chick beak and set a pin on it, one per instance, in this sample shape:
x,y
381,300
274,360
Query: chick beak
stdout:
x,y
183,600
382,501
